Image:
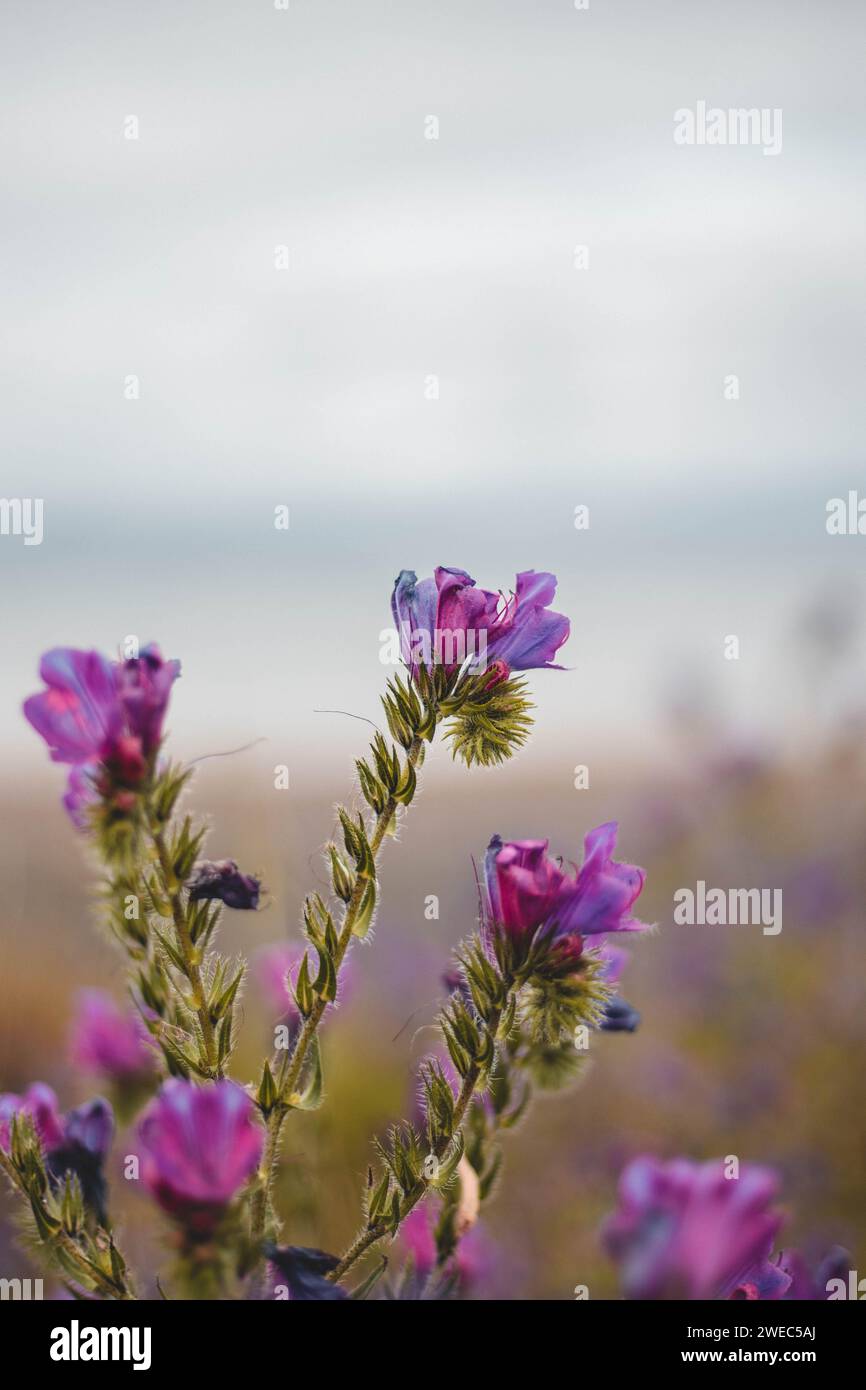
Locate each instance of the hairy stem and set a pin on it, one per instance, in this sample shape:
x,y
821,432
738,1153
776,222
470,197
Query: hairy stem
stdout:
x,y
187,949
373,1234
291,1067
61,1242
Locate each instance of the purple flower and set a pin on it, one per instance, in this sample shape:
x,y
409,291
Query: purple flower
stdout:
x,y
526,889
303,1271
144,687
81,793
79,715
223,879
684,1230
804,1285
446,619
97,713
76,1142
527,634
601,897
87,1135
200,1144
109,1040
273,965
766,1281
523,884
619,1017
473,1259
40,1103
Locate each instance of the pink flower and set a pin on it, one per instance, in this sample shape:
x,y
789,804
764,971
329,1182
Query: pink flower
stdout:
x,y
473,1259
96,713
685,1230
200,1144
446,619
40,1103
274,965
109,1040
527,889
79,714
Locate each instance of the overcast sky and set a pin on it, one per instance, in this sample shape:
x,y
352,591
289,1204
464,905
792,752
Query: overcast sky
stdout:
x,y
410,258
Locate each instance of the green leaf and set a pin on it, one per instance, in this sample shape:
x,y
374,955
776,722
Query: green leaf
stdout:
x,y
304,995
312,1096
372,1279
366,908
342,877
325,983
267,1093
225,1001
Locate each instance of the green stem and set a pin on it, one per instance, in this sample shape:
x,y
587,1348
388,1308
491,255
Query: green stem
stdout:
x,y
187,949
290,1070
90,1274
373,1234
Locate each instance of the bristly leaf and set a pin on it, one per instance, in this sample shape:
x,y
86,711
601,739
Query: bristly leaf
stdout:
x,y
490,726
366,908
313,1094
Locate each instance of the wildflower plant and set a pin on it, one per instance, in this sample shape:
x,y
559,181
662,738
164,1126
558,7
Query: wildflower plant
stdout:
x,y
533,979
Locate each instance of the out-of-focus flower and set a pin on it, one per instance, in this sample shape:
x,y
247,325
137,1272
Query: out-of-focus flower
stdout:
x,y
98,714
273,967
109,1040
87,1135
527,889
619,1017
144,685
76,1142
472,1260
684,1230
446,620
79,714
200,1144
40,1103
766,1280
302,1270
804,1284
81,793
221,878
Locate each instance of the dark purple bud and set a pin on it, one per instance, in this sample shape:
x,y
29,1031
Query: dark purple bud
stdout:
x,y
304,1271
619,1017
87,1138
221,878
